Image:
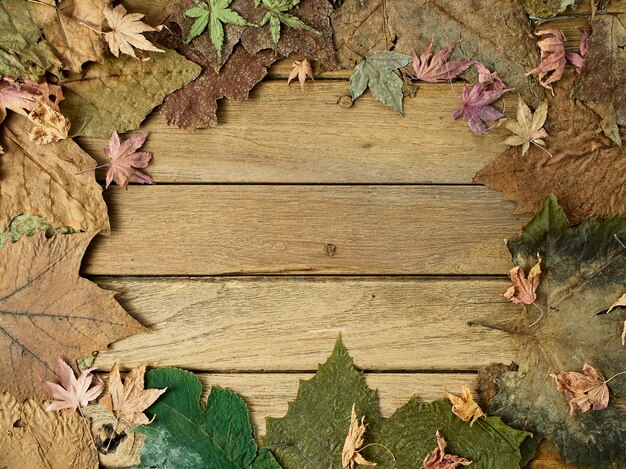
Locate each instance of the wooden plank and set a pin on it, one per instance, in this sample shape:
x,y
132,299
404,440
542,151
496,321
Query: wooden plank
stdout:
x,y
256,324
226,229
281,135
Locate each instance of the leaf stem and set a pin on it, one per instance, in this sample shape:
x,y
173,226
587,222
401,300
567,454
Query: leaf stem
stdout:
x,y
92,169
80,411
540,147
378,444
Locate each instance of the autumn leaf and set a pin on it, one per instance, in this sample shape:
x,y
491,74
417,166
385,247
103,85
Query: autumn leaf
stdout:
x,y
524,290
578,59
376,72
72,393
302,70
547,8
620,302
477,107
21,96
587,172
464,406
528,128
127,32
49,126
438,68
42,180
583,272
33,438
350,455
29,225
126,162
552,64
587,390
439,459
48,311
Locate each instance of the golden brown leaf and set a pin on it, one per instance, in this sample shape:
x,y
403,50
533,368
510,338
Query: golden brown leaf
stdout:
x,y
301,69
350,455
528,128
126,32
524,290
464,406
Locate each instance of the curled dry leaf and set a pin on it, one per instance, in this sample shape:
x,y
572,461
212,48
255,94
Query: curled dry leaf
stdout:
x,y
620,302
552,64
126,162
524,290
350,455
49,126
491,80
438,459
22,96
301,69
587,390
73,393
438,68
464,406
578,59
528,128
126,32
477,108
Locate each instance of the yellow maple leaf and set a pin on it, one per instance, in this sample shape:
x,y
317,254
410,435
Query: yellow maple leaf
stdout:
x,y
126,32
528,128
464,406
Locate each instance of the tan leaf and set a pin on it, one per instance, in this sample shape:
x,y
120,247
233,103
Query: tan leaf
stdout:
x,y
438,459
301,69
42,180
524,290
49,126
528,128
350,455
464,406
128,401
587,390
33,438
126,32
47,310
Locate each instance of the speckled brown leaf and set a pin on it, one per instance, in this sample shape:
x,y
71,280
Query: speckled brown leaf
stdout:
x,y
501,38
33,438
587,172
42,180
47,311
604,76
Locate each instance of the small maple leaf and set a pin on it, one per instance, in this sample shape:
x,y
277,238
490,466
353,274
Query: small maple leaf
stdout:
x,y
72,393
524,289
48,125
354,441
125,161
588,390
477,109
277,14
578,59
301,69
129,400
552,64
126,32
437,68
438,459
464,406
528,128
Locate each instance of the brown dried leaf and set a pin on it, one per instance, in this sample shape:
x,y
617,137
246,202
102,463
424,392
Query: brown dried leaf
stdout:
x,y
48,311
587,390
587,173
438,459
49,126
552,65
301,69
464,406
350,455
524,290
127,32
33,438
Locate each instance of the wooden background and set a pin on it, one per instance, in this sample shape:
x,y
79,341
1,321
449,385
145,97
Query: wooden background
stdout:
x,y
297,219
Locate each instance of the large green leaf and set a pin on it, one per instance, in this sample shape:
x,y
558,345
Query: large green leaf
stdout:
x,y
186,434
583,272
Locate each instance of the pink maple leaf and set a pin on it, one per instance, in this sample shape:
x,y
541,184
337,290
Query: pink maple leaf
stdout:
x,y
578,59
437,68
22,96
126,162
477,109
73,393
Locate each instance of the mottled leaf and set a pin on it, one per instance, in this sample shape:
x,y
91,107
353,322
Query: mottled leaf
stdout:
x,y
28,225
547,8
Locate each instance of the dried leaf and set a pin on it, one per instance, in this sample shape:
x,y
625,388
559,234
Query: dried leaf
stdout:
x,y
47,310
29,225
477,107
117,95
620,302
43,180
586,172
73,393
552,65
438,68
49,126
438,459
129,400
22,96
578,59
524,290
301,69
548,8
126,162
587,390
355,439
528,128
491,80
464,406
33,438
127,32
376,72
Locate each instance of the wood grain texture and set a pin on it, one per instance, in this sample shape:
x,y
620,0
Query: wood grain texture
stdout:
x,y
280,324
211,230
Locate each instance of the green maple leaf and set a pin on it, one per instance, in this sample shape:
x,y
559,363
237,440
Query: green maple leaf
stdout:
x,y
186,434
313,432
583,272
376,71
214,15
277,14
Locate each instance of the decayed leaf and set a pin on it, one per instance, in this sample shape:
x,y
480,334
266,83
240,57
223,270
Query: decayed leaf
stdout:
x,y
29,225
477,107
552,65
129,400
118,94
49,126
491,80
438,68
33,438
602,87
586,172
127,32
42,180
48,311
547,8
464,406
126,161
376,72
301,69
189,434
72,393
22,96
583,272
578,59
439,459
524,290
350,455
501,38
528,128
24,53
587,390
